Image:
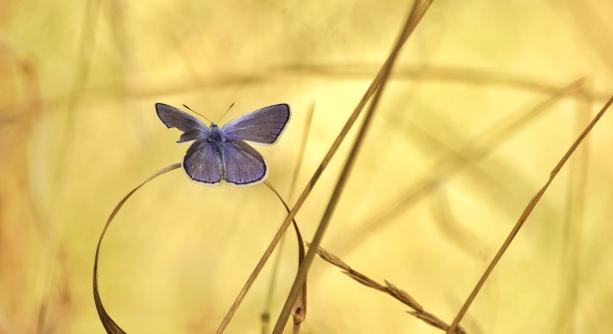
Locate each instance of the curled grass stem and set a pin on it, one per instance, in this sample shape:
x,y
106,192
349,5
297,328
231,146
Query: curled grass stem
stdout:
x,y
109,324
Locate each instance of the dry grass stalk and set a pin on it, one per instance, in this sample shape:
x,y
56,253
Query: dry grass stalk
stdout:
x,y
573,228
524,216
417,12
390,289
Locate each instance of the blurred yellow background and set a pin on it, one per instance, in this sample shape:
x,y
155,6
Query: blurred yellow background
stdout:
x,y
484,100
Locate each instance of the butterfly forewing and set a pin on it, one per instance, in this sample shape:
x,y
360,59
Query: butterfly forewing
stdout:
x,y
203,163
242,164
175,118
262,126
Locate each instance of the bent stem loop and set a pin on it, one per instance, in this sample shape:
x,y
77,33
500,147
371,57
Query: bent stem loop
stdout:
x,y
109,324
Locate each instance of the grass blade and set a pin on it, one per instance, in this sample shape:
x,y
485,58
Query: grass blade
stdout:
x,y
388,288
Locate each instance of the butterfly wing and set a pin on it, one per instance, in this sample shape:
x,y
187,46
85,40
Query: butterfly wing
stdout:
x,y
172,117
203,162
262,126
242,164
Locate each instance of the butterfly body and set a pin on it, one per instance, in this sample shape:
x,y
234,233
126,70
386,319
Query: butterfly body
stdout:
x,y
215,135
222,153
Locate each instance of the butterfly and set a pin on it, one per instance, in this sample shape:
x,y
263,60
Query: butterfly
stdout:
x,y
222,153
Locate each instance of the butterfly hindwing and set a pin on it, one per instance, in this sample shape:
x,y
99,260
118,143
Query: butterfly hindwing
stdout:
x,y
261,126
203,162
242,164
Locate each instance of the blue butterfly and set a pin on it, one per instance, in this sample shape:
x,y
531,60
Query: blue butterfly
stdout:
x,y
222,153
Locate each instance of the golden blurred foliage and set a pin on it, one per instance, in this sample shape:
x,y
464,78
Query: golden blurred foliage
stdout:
x,y
484,99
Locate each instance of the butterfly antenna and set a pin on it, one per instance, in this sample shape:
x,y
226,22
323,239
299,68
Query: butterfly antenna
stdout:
x,y
224,114
195,112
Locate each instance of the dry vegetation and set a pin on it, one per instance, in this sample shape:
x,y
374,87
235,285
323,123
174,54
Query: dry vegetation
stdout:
x,y
457,149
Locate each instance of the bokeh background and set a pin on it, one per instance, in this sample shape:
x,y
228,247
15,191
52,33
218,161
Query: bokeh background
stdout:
x,y
485,98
